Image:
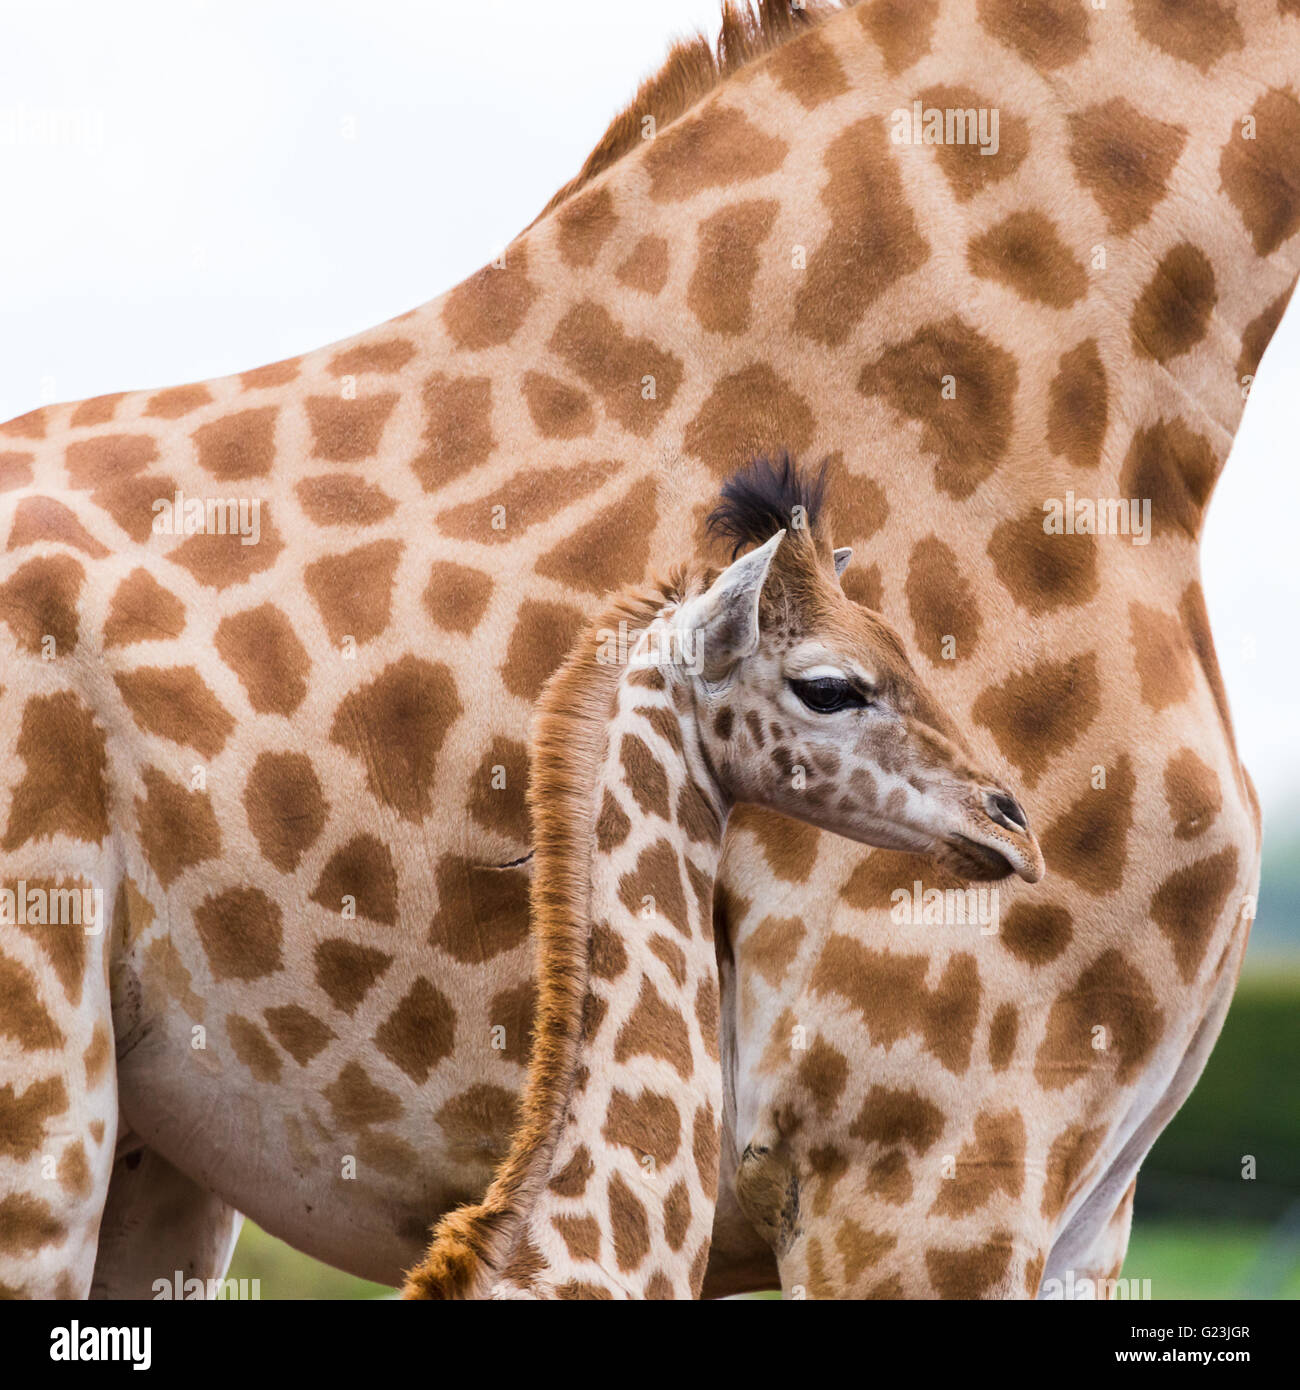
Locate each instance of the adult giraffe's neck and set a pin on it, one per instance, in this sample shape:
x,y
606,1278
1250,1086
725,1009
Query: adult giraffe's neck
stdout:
x,y
784,265
611,1181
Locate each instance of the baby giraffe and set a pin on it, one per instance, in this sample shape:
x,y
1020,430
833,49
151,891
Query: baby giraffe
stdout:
x,y
761,684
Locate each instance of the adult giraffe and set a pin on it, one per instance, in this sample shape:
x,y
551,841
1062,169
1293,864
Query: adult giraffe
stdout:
x,y
295,766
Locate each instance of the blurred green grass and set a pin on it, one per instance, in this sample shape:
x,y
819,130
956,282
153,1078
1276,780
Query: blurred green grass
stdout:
x,y
1200,1229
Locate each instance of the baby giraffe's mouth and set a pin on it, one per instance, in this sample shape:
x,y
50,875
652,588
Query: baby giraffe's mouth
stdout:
x,y
996,842
969,859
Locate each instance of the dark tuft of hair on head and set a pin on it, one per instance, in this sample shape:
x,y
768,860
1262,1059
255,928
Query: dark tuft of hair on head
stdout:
x,y
761,498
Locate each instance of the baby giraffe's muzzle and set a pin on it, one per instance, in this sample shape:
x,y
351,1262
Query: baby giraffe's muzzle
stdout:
x,y
994,840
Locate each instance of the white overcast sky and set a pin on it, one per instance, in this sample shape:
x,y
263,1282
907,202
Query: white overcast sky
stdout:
x,y
247,179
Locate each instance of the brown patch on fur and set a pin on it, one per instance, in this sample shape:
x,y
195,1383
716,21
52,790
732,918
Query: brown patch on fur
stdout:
x,y
890,992
390,356
339,499
178,827
970,1273
1036,714
457,596
1070,1154
727,263
23,1117
559,411
362,870
610,550
693,69
1003,1033
241,933
968,434
1088,842
617,366
1078,406
346,971
346,431
489,308
1255,338
1025,252
39,602
458,428
40,519
15,470
64,790
142,611
1199,32
300,1033
354,591
942,603
872,241
1048,34
253,1049
1176,468
238,446
1113,995
749,413
1173,312
261,647
1193,794
482,911
419,1032
395,726
1187,905
98,410
177,401
789,846
646,267
966,165
584,225
1124,159
286,807
993,1161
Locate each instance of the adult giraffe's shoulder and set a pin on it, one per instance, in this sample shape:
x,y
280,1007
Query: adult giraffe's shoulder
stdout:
x,y
296,767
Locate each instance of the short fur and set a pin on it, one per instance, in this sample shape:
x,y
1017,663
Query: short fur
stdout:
x,y
471,1246
692,70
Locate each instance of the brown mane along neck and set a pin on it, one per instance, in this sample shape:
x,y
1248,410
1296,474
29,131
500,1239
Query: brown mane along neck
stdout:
x,y
471,1247
694,68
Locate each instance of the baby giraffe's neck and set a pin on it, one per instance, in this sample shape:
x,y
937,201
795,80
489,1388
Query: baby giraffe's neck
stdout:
x,y
615,1214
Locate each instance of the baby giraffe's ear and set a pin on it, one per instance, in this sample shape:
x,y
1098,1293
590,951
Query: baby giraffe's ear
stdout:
x,y
842,557
725,619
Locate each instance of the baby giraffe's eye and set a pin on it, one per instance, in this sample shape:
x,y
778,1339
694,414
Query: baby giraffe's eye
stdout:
x,y
826,694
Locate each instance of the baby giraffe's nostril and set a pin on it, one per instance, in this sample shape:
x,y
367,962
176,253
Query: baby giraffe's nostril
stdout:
x,y
1006,811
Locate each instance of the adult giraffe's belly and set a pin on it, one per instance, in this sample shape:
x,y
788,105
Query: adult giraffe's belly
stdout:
x,y
346,1130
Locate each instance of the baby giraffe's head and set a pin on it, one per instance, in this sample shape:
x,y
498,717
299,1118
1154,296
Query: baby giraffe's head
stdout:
x,y
807,702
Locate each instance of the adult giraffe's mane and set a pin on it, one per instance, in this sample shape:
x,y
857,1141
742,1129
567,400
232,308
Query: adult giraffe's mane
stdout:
x,y
693,68
472,1246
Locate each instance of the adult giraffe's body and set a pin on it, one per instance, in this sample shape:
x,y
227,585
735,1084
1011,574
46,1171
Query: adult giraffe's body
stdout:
x,y
233,740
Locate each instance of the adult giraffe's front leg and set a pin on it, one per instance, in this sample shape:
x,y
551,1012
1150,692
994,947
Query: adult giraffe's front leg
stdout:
x,y
58,1089
158,1225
